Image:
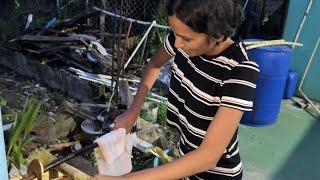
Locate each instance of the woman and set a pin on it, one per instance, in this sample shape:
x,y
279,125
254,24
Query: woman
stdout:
x,y
212,84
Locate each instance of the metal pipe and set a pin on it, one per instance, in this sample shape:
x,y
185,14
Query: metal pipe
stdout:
x,y
3,159
63,159
108,83
130,19
305,74
143,50
302,22
141,41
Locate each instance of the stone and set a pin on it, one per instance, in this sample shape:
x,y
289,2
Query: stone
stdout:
x,y
147,131
49,131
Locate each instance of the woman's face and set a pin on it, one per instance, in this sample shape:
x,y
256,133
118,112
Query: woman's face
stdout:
x,y
191,42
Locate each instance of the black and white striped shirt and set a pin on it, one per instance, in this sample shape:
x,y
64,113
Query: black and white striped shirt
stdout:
x,y
198,87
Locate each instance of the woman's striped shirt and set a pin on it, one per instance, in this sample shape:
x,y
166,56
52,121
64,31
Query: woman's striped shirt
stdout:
x,y
198,87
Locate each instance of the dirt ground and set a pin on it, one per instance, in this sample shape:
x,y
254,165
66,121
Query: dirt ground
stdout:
x,y
15,90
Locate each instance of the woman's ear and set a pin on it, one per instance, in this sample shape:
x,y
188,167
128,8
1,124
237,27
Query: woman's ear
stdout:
x,y
216,41
212,42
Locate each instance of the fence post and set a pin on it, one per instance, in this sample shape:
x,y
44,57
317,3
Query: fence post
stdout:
x,y
3,160
57,8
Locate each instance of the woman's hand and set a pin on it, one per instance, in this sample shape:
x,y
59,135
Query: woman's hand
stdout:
x,y
126,120
99,177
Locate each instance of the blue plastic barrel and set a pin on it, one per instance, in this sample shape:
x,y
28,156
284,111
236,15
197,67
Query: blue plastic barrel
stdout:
x,y
274,62
291,85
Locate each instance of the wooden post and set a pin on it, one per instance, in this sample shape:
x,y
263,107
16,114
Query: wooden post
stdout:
x,y
102,21
88,3
124,93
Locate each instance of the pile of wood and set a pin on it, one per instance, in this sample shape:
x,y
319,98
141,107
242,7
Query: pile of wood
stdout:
x,y
73,42
82,47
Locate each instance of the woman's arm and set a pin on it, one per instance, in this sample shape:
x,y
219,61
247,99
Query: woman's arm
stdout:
x,y
216,140
127,119
149,77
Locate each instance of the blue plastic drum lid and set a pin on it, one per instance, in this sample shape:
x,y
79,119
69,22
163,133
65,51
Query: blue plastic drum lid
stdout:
x,y
274,63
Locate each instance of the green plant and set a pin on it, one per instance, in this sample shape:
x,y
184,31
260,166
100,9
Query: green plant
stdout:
x,y
18,140
68,8
10,20
58,97
162,114
154,40
3,102
144,115
157,35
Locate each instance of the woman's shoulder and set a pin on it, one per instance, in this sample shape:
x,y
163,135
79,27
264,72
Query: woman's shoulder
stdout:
x,y
236,52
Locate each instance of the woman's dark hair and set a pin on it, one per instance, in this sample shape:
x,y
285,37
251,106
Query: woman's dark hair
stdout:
x,y
216,18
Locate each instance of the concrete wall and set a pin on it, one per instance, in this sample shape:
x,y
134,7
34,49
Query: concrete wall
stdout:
x,y
309,37
57,79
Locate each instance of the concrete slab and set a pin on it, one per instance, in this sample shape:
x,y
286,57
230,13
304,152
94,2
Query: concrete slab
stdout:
x,y
286,150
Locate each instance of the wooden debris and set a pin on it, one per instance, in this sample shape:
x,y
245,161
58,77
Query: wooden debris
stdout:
x,y
102,59
57,147
53,49
36,167
43,157
126,97
84,15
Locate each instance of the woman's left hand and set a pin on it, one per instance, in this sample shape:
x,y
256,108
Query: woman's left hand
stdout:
x,y
99,177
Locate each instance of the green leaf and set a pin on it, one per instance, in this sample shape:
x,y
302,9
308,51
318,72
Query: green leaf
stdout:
x,y
24,144
17,157
35,108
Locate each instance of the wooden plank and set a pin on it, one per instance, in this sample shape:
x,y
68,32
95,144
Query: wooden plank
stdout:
x,y
53,49
102,59
84,15
73,38
126,97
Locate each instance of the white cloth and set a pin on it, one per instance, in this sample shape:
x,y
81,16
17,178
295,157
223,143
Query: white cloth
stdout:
x,y
114,153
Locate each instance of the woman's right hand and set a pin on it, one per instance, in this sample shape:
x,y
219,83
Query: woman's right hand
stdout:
x,y
126,120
